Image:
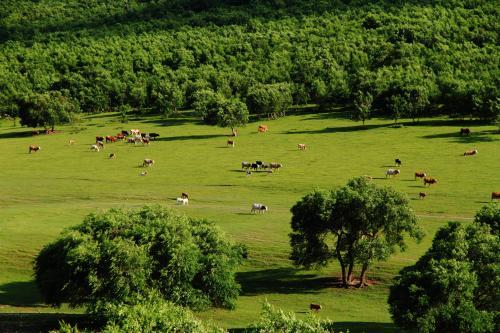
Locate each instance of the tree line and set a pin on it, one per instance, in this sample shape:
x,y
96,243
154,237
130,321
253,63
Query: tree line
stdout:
x,y
399,60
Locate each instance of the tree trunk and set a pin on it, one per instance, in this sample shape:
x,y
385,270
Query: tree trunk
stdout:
x,y
362,278
349,273
342,267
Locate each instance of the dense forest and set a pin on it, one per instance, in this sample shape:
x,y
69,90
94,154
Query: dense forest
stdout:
x,y
400,58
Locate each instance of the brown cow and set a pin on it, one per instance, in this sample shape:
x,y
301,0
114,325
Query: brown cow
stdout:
x,y
184,195
302,146
230,143
262,128
495,195
315,307
464,131
420,174
422,195
110,138
34,148
120,136
470,152
430,181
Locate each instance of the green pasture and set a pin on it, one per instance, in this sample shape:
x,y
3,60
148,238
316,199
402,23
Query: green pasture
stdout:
x,y
45,192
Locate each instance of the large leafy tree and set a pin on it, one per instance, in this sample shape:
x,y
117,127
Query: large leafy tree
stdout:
x,y
47,110
269,98
358,223
489,215
454,286
362,105
122,256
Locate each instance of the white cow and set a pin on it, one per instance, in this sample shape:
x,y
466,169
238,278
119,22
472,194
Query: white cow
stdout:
x,y
246,165
94,148
392,172
182,201
258,207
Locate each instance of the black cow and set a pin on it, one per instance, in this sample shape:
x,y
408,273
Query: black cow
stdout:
x,y
154,135
126,133
398,162
254,166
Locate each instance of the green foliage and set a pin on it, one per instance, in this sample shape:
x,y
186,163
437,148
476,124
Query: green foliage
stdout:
x,y
362,106
489,215
47,110
358,223
272,320
453,287
269,98
215,109
123,256
154,315
416,59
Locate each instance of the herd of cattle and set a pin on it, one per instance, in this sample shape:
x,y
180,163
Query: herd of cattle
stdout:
x,y
135,136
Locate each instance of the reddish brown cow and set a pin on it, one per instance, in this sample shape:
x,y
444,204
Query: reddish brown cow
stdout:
x,y
110,138
419,175
315,307
262,128
495,195
422,195
470,152
230,143
430,181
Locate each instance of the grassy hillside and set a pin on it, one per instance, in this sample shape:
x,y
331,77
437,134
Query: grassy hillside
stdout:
x,y
44,192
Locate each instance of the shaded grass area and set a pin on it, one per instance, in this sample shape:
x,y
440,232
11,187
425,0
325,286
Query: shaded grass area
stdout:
x,y
45,192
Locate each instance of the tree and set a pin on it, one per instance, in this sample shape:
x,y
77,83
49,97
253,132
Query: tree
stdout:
x,y
358,223
453,287
362,105
269,98
47,110
489,215
122,256
215,109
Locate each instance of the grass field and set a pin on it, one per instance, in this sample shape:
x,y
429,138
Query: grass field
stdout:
x,y
44,192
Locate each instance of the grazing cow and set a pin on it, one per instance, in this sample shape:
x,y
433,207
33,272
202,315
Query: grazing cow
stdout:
x,y
464,131
71,142
137,138
154,135
135,132
276,166
145,140
420,174
120,136
148,162
495,195
99,138
398,162
144,173
34,148
130,140
246,165
230,143
110,138
422,195
112,155
144,134
302,146
262,128
254,166
392,172
94,148
315,307
125,133
430,181
100,144
184,195
182,201
257,207
470,152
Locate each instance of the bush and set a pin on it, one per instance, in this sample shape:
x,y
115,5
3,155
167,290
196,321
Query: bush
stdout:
x,y
124,256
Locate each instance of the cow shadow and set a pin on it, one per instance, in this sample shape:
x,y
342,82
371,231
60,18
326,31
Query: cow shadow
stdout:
x,y
283,281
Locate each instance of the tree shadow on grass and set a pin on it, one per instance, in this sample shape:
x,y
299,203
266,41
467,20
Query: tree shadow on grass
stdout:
x,y
42,322
283,281
342,129
191,137
482,136
20,294
13,135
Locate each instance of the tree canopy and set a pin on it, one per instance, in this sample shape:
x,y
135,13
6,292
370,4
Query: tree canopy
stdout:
x,y
123,256
453,287
359,223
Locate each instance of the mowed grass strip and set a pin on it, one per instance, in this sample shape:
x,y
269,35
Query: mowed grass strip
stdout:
x,y
47,191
